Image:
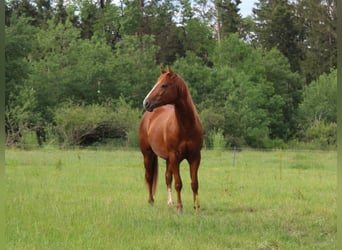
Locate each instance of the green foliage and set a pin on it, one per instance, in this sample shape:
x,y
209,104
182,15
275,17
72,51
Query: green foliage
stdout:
x,y
287,86
197,75
318,21
217,141
211,119
87,124
322,134
19,42
229,20
251,93
196,38
257,103
134,69
318,111
277,27
249,83
320,100
21,116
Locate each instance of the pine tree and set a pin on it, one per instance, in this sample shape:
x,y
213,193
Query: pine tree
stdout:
x,y
228,17
318,19
277,27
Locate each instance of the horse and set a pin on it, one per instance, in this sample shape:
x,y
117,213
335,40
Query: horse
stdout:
x,y
170,129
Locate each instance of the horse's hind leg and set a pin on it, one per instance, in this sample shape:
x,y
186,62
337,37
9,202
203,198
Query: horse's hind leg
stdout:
x,y
151,173
194,165
173,167
178,187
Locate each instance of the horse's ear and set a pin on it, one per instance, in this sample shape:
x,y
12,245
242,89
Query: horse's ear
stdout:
x,y
162,70
169,69
170,72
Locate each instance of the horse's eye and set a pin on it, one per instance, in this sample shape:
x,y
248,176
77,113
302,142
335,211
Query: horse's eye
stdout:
x,y
164,86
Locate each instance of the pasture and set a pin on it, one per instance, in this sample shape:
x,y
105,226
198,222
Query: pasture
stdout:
x,y
93,199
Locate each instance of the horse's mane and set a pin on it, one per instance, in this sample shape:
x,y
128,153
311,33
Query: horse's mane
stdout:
x,y
184,88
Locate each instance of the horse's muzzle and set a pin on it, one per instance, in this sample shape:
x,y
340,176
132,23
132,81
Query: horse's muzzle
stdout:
x,y
149,106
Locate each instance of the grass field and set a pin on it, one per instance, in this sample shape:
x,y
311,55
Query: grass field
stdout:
x,y
88,199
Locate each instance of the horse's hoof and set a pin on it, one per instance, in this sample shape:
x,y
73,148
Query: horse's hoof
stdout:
x,y
151,202
180,209
196,204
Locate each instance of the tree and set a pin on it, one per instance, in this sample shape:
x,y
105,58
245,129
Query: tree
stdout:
x,y
19,42
260,93
20,115
108,25
50,59
61,13
22,8
131,17
277,27
248,86
45,11
134,68
88,15
197,75
288,87
228,17
319,101
196,37
318,20
20,99
154,18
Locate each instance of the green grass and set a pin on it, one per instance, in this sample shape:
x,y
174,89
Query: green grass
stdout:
x,y
88,199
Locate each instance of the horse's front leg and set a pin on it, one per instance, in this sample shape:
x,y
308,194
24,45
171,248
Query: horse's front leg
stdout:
x,y
168,180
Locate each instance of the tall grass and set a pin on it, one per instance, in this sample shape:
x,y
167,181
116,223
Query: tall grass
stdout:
x,y
88,199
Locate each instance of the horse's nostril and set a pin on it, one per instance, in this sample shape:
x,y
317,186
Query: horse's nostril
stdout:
x,y
146,103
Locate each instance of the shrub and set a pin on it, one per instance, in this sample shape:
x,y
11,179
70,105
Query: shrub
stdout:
x,y
87,124
321,133
217,140
319,101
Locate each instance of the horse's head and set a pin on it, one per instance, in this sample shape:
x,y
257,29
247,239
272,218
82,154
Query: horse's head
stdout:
x,y
165,91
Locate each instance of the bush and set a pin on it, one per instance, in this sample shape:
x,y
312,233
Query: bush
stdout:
x,y
211,123
88,124
319,101
321,133
216,140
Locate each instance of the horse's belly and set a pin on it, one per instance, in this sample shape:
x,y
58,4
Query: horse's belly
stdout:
x,y
160,152
159,142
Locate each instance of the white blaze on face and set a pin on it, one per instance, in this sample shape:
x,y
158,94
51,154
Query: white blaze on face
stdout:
x,y
149,93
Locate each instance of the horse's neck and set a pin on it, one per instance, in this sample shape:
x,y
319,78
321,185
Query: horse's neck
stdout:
x,y
186,112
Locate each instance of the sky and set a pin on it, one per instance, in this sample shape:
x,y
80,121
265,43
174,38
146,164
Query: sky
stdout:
x,y
246,7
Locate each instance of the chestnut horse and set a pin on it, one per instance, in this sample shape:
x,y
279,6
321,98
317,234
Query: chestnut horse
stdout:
x,y
171,129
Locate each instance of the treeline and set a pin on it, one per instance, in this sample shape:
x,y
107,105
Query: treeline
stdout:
x,y
77,72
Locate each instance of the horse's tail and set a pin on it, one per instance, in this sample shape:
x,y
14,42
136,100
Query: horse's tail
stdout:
x,y
155,175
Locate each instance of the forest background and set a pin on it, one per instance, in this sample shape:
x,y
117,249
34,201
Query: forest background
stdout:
x,y
77,71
